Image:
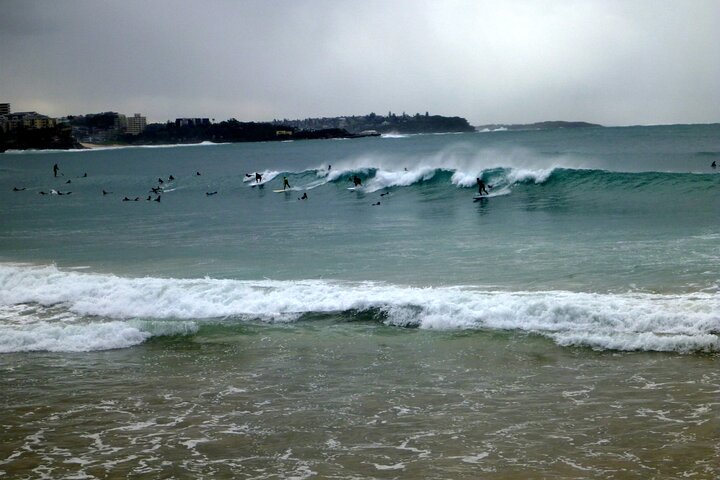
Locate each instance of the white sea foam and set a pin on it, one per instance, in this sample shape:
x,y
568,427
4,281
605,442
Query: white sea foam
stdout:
x,y
138,308
403,178
267,175
527,175
505,178
49,337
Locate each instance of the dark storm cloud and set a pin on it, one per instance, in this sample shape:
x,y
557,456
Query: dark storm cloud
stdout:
x,y
603,61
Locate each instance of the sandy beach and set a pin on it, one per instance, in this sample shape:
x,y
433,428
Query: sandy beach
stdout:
x,y
101,145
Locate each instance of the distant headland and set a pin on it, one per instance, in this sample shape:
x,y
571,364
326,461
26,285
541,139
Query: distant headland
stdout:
x,y
31,130
390,123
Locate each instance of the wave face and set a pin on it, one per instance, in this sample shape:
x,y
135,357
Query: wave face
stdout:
x,y
505,179
43,308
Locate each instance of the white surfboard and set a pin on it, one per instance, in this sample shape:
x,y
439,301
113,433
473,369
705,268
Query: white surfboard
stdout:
x,y
495,193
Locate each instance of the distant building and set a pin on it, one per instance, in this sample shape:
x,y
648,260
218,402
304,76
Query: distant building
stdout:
x,y
120,123
191,122
4,109
136,124
28,120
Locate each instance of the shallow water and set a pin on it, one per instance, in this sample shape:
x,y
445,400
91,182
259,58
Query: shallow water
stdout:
x,y
360,399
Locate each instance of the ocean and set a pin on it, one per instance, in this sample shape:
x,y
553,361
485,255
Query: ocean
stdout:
x,y
566,325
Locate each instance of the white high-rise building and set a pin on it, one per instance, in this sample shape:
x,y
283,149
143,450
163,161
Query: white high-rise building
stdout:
x,y
136,124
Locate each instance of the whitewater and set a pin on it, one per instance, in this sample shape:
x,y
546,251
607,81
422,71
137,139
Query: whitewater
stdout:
x,y
132,310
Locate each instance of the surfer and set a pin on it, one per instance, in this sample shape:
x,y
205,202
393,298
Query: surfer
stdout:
x,y
55,169
105,193
713,164
197,174
356,181
481,187
210,193
304,196
258,177
285,183
16,189
171,177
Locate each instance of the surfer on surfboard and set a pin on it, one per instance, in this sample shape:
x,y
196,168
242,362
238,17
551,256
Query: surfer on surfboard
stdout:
x,y
481,187
285,183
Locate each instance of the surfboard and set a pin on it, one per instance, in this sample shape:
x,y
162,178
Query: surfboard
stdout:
x,y
352,189
281,191
495,193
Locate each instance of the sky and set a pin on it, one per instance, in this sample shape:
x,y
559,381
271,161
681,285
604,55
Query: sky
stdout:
x,y
624,62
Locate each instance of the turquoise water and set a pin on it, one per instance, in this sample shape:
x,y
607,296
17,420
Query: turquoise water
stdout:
x,y
563,325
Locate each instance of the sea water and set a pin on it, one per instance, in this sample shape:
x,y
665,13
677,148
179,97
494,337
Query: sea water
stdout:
x,y
567,325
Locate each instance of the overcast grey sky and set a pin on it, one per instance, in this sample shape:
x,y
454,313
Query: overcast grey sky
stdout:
x,y
611,62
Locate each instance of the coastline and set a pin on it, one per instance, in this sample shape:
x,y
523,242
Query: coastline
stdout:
x,y
92,146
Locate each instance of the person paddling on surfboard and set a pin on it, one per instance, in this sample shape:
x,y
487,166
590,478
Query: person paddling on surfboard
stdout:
x,y
481,187
285,183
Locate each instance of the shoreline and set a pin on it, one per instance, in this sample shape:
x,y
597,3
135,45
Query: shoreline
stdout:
x,y
92,146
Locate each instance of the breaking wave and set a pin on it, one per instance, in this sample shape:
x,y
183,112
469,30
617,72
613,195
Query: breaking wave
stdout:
x,y
43,308
376,178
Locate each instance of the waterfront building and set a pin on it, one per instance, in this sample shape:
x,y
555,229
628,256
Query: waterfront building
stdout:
x,y
136,124
191,122
29,120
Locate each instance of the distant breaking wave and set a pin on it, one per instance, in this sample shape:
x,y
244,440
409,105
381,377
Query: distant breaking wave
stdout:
x,y
501,178
43,308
